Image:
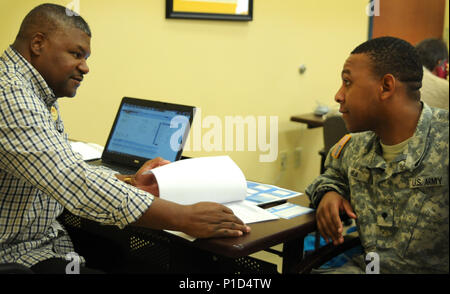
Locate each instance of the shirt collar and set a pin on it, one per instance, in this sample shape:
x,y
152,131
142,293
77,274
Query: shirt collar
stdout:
x,y
30,75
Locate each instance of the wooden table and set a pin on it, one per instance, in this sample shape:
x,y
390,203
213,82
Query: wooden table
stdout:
x,y
289,232
136,249
312,120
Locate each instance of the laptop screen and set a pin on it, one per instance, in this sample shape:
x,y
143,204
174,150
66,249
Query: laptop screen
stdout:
x,y
146,129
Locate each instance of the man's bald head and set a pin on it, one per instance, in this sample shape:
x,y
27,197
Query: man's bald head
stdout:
x,y
50,18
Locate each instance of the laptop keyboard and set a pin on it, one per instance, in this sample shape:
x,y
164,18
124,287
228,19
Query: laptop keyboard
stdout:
x,y
120,169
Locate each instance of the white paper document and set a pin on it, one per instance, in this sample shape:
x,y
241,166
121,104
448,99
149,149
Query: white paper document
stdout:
x,y
249,213
88,151
213,179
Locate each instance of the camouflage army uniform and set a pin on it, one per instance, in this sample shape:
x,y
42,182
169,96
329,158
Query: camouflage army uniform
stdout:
x,y
401,206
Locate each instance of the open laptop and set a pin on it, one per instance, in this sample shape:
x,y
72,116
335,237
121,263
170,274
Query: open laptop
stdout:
x,y
143,130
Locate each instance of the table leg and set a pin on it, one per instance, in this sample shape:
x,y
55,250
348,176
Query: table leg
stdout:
x,y
292,254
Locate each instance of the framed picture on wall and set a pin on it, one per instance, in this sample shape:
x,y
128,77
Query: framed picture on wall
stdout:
x,y
210,9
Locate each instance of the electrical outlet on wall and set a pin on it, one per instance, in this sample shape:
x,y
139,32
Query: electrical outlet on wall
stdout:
x,y
283,160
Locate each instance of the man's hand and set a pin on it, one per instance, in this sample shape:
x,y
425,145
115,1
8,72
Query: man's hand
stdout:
x,y
144,179
200,220
209,219
327,216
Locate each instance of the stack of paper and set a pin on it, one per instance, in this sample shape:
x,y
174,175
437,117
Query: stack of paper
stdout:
x,y
88,151
216,179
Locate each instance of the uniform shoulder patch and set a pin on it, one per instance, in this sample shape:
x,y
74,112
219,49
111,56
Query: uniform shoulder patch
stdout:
x,y
340,145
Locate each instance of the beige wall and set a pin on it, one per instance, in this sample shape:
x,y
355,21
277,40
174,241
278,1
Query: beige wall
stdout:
x,y
225,68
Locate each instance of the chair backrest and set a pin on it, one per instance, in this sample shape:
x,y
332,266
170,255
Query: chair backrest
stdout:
x,y
333,130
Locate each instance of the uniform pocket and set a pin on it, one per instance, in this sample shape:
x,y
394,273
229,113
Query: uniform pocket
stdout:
x,y
363,206
407,220
359,184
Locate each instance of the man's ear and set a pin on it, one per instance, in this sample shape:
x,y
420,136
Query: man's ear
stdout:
x,y
388,84
37,44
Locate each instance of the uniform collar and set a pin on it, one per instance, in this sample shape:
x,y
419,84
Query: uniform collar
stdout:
x,y
417,146
30,75
415,149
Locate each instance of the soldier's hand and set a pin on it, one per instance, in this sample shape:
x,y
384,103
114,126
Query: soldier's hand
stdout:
x,y
209,219
329,223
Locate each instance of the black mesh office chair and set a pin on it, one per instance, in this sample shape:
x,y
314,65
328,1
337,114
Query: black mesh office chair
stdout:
x,y
14,268
333,130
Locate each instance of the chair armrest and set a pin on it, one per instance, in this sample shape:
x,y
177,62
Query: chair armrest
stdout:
x,y
322,152
325,253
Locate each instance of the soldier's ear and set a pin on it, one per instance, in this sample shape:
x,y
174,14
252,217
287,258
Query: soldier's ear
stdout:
x,y
388,86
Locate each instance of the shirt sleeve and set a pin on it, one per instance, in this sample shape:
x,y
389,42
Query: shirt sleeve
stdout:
x,y
32,150
333,179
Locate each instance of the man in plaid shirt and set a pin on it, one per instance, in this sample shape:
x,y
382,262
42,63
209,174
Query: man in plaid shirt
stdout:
x,y
40,175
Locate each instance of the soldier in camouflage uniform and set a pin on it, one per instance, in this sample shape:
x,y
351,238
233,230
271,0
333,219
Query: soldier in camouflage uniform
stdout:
x,y
391,173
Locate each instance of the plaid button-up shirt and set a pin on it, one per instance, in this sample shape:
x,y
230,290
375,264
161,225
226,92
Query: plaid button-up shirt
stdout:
x,y
40,175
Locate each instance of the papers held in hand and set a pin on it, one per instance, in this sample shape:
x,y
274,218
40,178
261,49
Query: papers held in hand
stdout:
x,y
213,179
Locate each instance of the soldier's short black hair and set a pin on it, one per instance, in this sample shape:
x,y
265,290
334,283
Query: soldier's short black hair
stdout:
x,y
395,56
431,51
51,17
